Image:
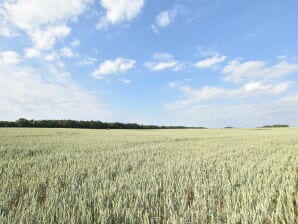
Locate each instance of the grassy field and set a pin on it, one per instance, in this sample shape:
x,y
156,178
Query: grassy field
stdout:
x,y
149,176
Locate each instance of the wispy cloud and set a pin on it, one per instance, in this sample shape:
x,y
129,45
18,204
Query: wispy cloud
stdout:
x,y
165,18
125,81
162,61
87,61
210,62
238,71
251,114
192,96
75,43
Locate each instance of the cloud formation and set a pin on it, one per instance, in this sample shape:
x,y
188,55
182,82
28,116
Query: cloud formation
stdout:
x,y
29,92
9,57
210,62
193,96
241,114
108,67
162,61
117,11
43,26
164,18
237,71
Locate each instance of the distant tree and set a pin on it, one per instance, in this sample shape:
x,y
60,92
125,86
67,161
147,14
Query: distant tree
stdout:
x,y
280,126
275,126
266,126
22,122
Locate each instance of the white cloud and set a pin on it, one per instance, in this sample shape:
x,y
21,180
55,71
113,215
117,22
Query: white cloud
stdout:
x,y
31,14
32,53
5,31
163,65
241,115
119,65
66,52
210,62
125,81
254,102
162,56
51,56
237,71
9,57
4,28
206,52
154,28
292,99
75,43
258,87
164,18
117,11
193,96
45,93
44,21
45,39
162,61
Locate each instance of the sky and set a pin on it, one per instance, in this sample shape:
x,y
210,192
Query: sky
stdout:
x,y
211,63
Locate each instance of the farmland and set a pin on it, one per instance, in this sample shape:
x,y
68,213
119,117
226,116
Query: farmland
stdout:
x,y
149,176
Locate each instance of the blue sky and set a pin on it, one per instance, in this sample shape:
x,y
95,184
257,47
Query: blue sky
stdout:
x,y
210,63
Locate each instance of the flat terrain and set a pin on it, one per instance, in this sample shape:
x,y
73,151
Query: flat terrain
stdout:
x,y
149,176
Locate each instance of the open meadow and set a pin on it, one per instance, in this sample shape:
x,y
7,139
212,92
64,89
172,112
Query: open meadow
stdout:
x,y
149,176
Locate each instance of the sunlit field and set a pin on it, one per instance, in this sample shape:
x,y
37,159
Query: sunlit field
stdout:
x,y
149,176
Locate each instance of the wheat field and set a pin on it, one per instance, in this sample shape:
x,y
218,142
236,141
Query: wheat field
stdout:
x,y
149,176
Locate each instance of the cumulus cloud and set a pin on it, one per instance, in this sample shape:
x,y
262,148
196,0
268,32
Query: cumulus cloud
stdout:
x,y
117,11
162,61
45,93
257,97
108,67
45,39
210,62
44,21
237,71
32,53
31,14
9,57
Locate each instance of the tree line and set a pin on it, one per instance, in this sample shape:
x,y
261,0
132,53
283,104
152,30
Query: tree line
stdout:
x,y
275,126
22,122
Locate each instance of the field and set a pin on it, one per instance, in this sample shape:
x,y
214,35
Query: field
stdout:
x,y
149,176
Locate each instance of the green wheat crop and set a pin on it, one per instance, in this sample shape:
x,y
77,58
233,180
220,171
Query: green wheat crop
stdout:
x,y
149,176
